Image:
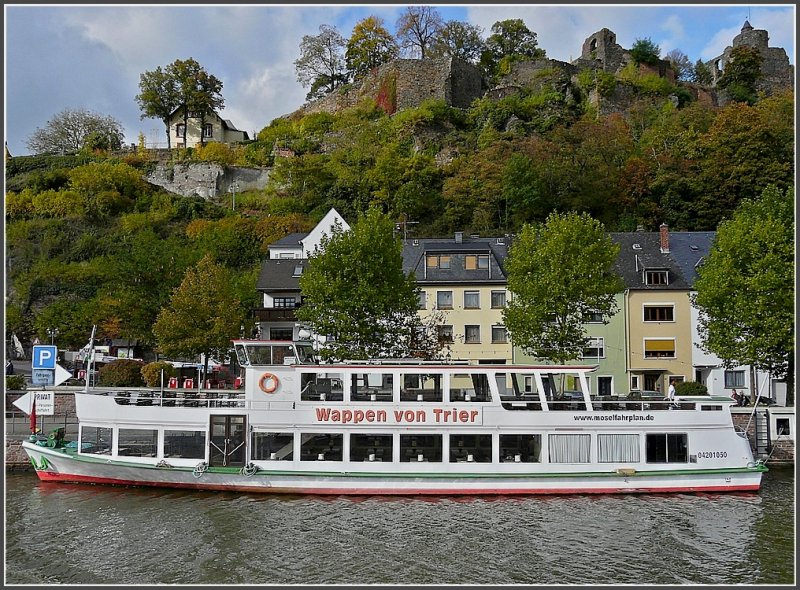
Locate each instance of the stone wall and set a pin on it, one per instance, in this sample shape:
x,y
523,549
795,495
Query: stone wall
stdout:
x,y
207,180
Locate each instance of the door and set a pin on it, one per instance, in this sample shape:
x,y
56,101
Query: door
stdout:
x,y
604,386
227,442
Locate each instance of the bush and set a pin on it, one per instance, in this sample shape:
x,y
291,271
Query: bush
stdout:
x,y
122,373
690,388
151,373
15,382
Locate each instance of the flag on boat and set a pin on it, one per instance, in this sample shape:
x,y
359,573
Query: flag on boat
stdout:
x,y
86,352
33,416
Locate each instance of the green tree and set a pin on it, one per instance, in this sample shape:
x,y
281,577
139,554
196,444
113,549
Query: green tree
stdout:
x,y
458,40
321,64
203,315
199,93
158,97
741,74
558,273
416,29
355,291
69,130
745,287
644,51
701,73
370,46
511,40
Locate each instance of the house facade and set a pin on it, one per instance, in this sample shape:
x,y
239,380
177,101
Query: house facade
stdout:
x,y
214,128
463,288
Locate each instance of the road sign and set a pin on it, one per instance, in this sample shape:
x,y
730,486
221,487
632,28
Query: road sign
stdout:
x,y
61,375
45,402
44,357
42,376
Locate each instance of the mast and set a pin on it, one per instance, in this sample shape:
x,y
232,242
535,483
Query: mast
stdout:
x,y
91,360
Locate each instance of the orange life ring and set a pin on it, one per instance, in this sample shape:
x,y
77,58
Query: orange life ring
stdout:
x,y
262,383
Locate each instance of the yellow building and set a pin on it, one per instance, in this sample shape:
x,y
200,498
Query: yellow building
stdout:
x,y
463,291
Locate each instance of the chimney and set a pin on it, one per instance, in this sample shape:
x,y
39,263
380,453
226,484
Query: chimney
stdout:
x,y
459,237
664,239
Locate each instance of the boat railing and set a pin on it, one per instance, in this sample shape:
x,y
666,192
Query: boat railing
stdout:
x,y
177,398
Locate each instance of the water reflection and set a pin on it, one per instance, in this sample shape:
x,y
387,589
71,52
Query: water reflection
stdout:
x,y
84,534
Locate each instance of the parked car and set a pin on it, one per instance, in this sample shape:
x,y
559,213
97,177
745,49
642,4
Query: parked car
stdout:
x,y
575,399
645,394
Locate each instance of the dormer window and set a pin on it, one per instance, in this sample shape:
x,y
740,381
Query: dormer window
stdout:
x,y
438,261
656,277
476,261
298,270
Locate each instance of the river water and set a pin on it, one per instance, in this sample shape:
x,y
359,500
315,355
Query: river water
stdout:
x,y
80,534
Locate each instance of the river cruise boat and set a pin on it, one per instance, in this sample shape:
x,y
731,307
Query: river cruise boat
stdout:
x,y
399,427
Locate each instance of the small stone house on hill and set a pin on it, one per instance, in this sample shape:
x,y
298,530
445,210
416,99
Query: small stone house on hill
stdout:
x,y
215,128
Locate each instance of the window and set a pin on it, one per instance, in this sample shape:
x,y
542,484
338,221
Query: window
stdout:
x,y
371,447
472,334
593,317
569,448
421,448
184,444
734,379
656,277
444,299
469,388
416,387
422,299
618,448
472,300
281,333
498,299
659,313
438,261
95,440
520,448
476,261
321,447
499,335
180,130
372,387
782,427
298,270
273,446
659,348
634,382
595,349
470,448
284,302
137,442
445,333
208,130
666,448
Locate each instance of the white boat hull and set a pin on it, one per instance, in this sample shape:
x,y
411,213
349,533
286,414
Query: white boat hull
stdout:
x,y
59,466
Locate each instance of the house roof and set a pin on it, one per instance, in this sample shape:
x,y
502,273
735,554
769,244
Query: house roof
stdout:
x,y
278,275
689,249
414,252
294,239
226,123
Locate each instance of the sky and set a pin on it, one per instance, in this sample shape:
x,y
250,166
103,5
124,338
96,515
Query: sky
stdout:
x,y
90,56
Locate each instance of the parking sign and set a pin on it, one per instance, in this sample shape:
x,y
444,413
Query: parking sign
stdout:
x,y
44,357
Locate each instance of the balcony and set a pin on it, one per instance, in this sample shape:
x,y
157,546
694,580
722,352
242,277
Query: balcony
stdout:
x,y
274,314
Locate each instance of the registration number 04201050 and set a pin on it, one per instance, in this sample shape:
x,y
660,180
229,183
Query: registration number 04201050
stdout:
x,y
712,454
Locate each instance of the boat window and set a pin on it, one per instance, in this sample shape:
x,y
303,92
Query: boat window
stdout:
x,y
96,440
185,444
259,354
518,391
421,448
666,448
305,353
372,387
322,387
137,442
321,447
520,448
469,388
419,387
618,448
470,448
371,447
710,408
280,352
273,446
569,448
241,355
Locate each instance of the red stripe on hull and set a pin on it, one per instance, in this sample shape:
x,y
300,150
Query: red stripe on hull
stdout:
x,y
61,477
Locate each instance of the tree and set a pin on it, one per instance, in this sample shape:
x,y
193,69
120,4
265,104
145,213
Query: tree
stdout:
x,y
510,41
416,29
644,51
458,40
321,64
69,130
370,46
745,287
198,92
355,291
558,273
741,73
158,97
203,315
680,64
702,73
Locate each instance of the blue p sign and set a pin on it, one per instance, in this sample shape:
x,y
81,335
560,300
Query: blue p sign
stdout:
x,y
44,357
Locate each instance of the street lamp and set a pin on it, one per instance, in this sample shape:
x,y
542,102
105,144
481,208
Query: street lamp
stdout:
x,y
52,332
